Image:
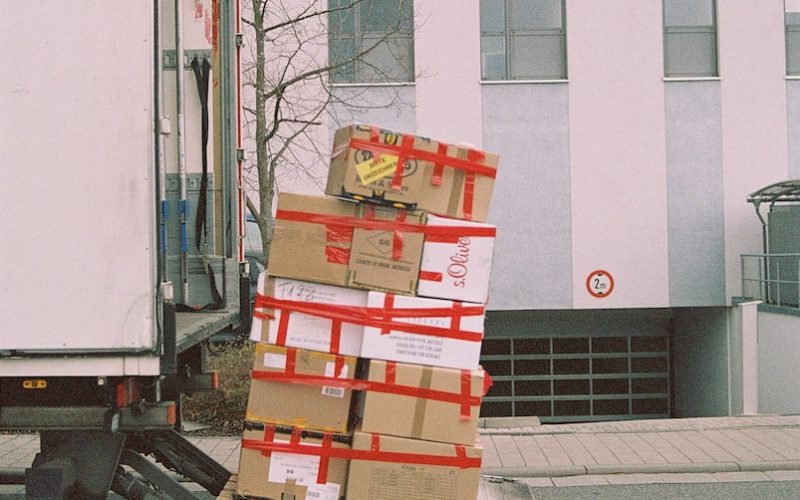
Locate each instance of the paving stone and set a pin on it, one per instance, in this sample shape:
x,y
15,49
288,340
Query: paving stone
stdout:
x,y
764,437
537,482
599,451
687,448
786,437
642,448
553,451
687,477
729,444
633,478
623,452
784,475
740,477
579,481
530,451
508,452
751,444
709,447
576,451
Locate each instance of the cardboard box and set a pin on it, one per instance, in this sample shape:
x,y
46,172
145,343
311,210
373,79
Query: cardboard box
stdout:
x,y
422,402
338,242
378,478
272,474
300,388
437,177
456,263
314,329
425,331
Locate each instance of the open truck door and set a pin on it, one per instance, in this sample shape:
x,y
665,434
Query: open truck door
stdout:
x,y
122,224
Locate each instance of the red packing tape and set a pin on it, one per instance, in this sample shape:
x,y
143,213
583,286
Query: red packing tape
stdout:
x,y
407,144
439,233
327,445
336,336
438,168
471,164
430,276
465,399
269,435
460,460
466,392
388,305
380,318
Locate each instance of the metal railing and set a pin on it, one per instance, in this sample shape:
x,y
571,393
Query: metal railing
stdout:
x,y
773,278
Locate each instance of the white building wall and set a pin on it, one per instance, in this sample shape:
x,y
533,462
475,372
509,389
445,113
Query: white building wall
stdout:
x,y
777,367
754,120
617,150
447,60
669,234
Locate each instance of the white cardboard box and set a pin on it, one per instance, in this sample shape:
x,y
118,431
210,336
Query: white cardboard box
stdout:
x,y
457,266
307,331
451,340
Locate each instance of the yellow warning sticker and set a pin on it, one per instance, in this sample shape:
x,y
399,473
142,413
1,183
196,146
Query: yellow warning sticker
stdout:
x,y
377,168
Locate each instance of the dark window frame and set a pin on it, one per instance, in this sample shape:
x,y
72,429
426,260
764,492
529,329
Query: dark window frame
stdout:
x,y
791,28
669,30
508,34
360,70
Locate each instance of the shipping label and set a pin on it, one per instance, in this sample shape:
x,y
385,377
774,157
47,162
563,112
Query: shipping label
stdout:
x,y
336,392
302,469
275,360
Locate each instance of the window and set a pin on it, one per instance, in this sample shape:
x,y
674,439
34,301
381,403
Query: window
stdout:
x,y
372,41
523,40
792,23
690,38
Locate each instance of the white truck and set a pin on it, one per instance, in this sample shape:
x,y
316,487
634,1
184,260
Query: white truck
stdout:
x,y
121,219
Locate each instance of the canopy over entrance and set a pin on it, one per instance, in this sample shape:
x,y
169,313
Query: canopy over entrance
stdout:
x,y
785,191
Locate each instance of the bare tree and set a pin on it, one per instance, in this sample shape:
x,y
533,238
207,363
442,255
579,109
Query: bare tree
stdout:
x,y
290,77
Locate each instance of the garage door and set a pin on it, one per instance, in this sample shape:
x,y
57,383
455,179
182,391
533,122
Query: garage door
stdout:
x,y
608,374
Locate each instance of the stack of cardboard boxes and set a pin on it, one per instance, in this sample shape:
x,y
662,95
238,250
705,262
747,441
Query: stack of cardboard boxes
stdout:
x,y
366,383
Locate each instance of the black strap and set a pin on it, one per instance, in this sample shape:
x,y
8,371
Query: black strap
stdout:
x,y
202,77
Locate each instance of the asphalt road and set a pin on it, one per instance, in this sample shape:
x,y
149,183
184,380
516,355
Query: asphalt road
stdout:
x,y
700,491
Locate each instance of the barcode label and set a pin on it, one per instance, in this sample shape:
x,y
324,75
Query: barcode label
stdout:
x,y
328,491
336,392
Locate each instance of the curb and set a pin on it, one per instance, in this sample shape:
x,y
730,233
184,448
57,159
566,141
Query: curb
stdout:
x,y
592,470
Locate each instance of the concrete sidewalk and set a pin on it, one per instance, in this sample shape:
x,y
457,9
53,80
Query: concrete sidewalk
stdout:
x,y
724,449
760,448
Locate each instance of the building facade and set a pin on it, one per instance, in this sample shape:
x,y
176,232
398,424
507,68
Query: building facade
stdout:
x,y
630,133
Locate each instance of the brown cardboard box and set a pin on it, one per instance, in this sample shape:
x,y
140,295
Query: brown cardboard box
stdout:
x,y
272,474
413,477
441,190
422,402
279,296
328,240
277,400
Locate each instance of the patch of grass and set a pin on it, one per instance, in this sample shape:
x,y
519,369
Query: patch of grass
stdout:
x,y
224,408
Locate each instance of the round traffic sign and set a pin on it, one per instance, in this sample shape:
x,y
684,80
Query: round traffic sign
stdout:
x,y
599,284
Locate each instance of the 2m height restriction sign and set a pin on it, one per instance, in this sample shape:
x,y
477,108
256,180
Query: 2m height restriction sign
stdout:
x,y
599,284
